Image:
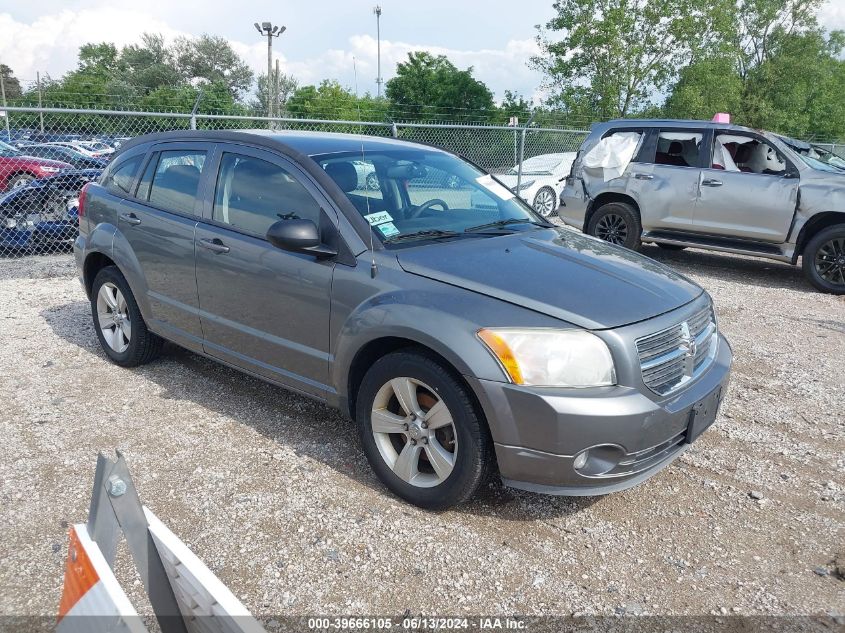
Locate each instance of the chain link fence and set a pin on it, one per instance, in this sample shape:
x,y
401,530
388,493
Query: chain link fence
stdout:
x,y
39,198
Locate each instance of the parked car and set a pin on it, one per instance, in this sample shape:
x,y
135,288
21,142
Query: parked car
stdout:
x,y
461,340
713,186
94,147
43,214
542,181
59,152
82,149
17,169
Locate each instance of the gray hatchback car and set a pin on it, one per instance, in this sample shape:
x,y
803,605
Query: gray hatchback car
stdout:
x,y
462,333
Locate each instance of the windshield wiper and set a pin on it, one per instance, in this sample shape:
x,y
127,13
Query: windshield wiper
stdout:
x,y
427,233
498,224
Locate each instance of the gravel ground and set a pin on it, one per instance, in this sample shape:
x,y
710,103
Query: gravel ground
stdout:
x,y
273,493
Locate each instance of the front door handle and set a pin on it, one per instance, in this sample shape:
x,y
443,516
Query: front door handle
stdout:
x,y
644,176
711,182
130,218
214,245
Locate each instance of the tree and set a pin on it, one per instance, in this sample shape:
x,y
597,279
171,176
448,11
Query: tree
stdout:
x,y
329,100
706,87
287,86
611,56
428,87
11,85
210,58
149,65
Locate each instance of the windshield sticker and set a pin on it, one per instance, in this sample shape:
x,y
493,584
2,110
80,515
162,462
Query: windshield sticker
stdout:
x,y
378,218
494,187
388,229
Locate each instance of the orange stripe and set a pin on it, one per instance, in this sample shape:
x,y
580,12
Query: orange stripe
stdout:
x,y
80,575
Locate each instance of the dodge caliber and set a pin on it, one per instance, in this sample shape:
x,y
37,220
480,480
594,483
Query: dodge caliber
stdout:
x,y
464,335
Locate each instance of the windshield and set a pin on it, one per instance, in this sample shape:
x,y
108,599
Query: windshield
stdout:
x,y
7,150
418,194
819,165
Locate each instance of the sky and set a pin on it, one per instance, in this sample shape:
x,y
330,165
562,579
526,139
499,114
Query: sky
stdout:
x,y
323,37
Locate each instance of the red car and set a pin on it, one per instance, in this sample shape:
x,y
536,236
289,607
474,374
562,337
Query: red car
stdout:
x,y
17,169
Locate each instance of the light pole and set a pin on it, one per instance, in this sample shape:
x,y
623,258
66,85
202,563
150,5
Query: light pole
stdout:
x,y
266,28
377,11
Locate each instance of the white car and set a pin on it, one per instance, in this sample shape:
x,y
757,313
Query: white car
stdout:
x,y
543,178
97,147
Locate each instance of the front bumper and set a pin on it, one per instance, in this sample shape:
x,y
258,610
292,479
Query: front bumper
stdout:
x,y
539,433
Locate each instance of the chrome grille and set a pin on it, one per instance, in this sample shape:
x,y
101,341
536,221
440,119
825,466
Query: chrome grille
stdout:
x,y
671,357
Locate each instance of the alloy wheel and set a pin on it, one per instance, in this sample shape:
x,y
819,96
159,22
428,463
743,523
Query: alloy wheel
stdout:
x,y
414,432
113,317
612,228
544,202
830,261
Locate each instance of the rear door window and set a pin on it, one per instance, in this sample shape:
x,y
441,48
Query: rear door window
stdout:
x,y
176,179
679,148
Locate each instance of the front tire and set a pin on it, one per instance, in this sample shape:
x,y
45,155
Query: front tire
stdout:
x,y
617,223
120,328
421,431
19,180
545,202
824,260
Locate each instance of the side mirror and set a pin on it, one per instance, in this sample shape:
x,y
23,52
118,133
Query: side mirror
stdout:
x,y
298,236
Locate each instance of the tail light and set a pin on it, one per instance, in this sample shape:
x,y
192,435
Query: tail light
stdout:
x,y
83,194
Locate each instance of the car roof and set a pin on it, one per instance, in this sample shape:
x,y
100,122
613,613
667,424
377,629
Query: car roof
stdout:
x,y
307,143
669,123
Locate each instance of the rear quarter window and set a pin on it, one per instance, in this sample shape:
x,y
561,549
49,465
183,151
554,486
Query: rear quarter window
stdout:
x,y
121,177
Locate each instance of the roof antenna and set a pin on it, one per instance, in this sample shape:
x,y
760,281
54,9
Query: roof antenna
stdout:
x,y
373,267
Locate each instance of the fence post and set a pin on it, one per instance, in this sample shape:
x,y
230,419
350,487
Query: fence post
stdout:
x,y
522,152
194,111
394,131
5,111
41,112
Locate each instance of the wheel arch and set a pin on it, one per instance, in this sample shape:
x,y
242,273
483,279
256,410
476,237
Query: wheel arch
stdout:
x,y
380,347
610,196
94,263
811,227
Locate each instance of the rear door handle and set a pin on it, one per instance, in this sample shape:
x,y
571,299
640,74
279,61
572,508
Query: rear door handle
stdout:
x,y
130,218
711,182
214,245
644,176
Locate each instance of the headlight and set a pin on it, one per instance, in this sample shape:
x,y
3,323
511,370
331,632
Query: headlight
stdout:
x,y
559,358
50,170
11,223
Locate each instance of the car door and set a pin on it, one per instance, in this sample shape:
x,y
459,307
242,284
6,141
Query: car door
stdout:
x,y
749,191
263,309
159,224
664,177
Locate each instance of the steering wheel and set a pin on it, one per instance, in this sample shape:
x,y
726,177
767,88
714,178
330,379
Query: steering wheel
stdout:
x,y
425,206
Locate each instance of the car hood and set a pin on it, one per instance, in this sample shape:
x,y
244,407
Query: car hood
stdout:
x,y
558,272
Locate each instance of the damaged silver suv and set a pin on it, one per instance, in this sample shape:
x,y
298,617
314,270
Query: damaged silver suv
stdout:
x,y
709,185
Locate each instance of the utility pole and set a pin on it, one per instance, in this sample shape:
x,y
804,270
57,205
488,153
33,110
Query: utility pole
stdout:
x,y
377,11
270,31
277,80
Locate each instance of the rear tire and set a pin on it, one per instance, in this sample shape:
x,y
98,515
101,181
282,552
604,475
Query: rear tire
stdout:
x,y
120,328
617,223
824,260
434,460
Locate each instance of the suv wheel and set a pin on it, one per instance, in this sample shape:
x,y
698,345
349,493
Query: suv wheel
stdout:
x,y
120,327
421,432
545,201
824,260
617,223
